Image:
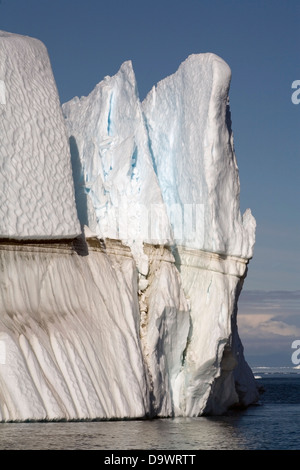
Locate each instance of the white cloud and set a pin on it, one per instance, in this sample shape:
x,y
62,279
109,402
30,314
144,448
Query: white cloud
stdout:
x,y
268,322
265,325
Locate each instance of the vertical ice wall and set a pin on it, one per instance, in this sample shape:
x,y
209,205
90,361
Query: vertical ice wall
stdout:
x,y
119,197
37,193
69,329
183,138
188,120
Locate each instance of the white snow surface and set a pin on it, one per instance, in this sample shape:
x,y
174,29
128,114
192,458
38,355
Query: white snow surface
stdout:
x,y
37,190
137,315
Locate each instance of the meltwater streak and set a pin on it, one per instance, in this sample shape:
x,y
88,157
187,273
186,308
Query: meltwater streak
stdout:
x,y
271,425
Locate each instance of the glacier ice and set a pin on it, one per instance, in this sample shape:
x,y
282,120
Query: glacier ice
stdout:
x,y
188,120
72,351
123,251
118,194
37,194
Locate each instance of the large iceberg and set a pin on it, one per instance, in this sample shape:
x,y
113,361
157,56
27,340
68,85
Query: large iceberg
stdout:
x,y
123,250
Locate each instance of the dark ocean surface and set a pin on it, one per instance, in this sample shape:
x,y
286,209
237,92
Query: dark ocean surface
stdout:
x,y
273,424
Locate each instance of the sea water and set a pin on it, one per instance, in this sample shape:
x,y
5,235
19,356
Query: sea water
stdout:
x,y
272,424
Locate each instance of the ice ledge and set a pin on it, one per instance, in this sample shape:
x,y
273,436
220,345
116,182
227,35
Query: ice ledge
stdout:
x,y
80,245
210,261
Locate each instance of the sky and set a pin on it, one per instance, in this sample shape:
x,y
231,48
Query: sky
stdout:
x,y
259,39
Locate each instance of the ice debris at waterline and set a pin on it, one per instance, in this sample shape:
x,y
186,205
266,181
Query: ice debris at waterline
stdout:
x,y
123,250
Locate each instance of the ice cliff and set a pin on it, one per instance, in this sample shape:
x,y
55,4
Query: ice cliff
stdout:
x,y
122,247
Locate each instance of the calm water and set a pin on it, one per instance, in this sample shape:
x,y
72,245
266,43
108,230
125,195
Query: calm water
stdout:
x,y
273,424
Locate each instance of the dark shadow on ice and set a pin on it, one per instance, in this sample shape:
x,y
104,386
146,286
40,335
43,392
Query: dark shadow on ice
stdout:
x,y
80,245
228,120
79,183
177,257
150,146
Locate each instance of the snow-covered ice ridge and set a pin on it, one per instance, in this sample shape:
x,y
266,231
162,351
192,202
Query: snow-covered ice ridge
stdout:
x,y
123,250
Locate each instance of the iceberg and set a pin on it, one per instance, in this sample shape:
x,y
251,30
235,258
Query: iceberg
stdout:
x,y
122,248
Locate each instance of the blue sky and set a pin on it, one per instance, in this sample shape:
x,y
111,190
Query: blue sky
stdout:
x,y
259,40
